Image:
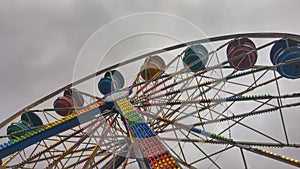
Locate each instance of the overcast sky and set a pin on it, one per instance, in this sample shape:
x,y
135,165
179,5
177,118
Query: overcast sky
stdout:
x,y
41,40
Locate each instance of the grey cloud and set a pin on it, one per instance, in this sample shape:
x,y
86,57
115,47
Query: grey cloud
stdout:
x,y
40,40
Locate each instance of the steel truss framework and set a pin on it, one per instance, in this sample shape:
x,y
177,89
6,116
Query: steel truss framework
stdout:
x,y
202,119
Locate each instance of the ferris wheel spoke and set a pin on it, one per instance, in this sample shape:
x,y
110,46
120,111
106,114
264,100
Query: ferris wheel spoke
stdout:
x,y
249,89
180,147
86,156
254,112
225,99
247,126
168,112
84,159
185,107
213,154
214,142
184,164
109,154
31,156
159,109
279,101
50,147
177,140
70,149
126,161
182,111
90,158
180,114
258,151
216,81
202,151
114,162
97,147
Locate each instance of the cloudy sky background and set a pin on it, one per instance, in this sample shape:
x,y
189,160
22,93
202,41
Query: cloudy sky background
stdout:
x,y
40,41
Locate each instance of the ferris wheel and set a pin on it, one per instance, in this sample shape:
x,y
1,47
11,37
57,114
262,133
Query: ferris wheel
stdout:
x,y
184,106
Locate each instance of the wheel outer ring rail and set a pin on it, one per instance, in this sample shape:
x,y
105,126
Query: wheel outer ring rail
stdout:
x,y
170,48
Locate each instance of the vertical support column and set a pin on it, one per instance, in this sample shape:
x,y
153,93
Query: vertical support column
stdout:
x,y
150,152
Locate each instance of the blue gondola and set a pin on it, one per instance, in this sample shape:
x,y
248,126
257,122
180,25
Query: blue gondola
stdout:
x,y
111,81
195,57
283,51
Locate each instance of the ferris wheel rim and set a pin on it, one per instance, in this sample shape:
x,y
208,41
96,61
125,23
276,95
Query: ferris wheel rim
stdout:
x,y
253,35
170,48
